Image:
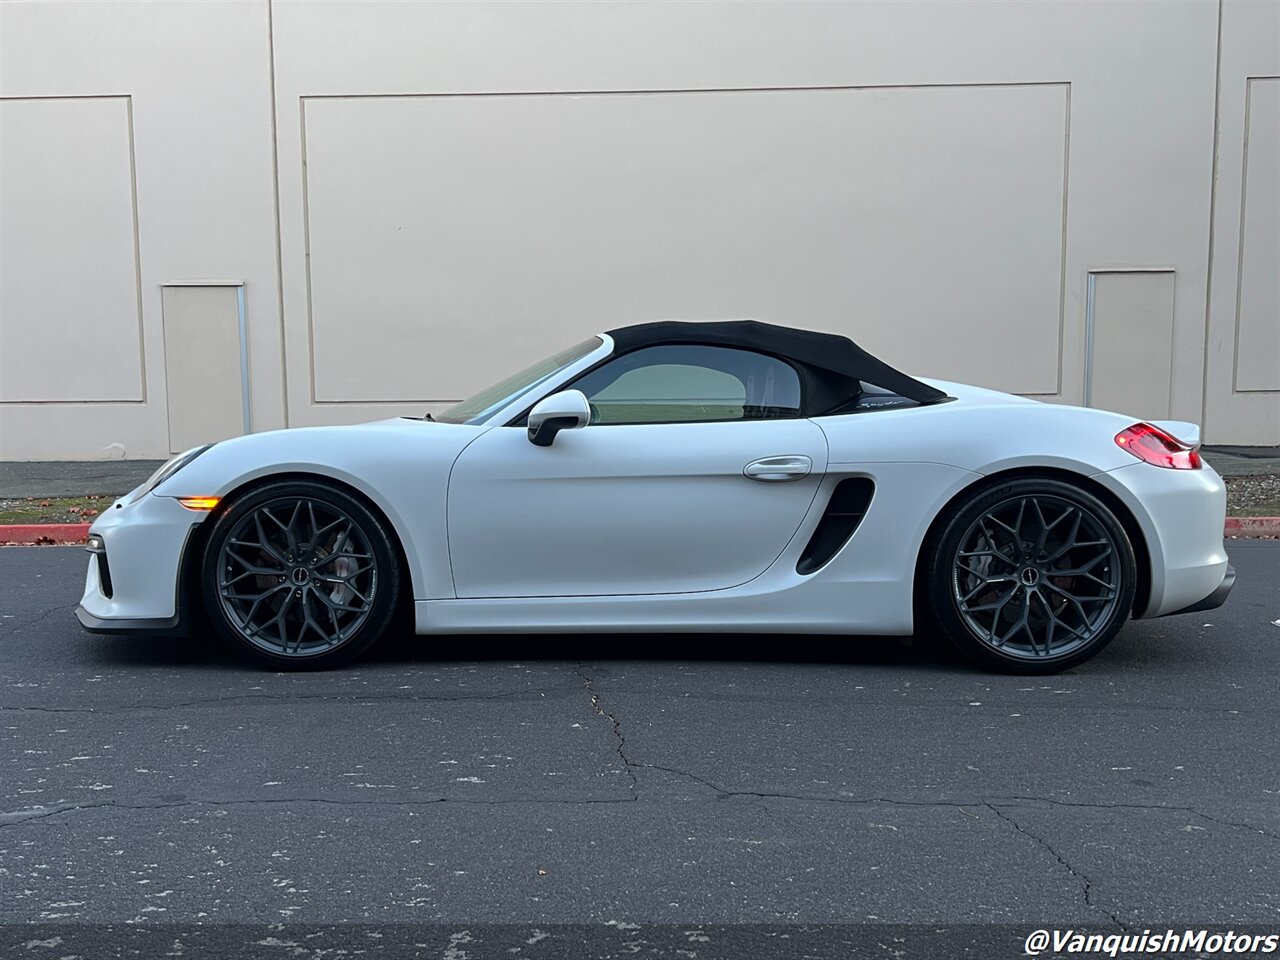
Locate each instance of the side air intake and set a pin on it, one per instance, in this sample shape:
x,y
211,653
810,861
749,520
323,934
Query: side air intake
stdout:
x,y
844,512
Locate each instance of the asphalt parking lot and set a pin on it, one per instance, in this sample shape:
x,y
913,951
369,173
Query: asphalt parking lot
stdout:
x,y
635,782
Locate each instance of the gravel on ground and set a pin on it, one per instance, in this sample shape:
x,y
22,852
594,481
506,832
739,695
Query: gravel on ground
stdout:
x,y
52,509
1253,496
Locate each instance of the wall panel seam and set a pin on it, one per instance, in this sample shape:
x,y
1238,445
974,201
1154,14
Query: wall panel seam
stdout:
x,y
275,198
1213,211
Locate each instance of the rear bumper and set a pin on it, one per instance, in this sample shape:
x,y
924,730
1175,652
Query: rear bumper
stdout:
x,y
1180,514
1213,600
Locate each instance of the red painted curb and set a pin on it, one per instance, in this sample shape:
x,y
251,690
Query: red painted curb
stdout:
x,y
43,532
1253,527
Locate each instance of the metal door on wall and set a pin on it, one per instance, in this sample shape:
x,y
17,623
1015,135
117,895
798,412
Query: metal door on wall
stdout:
x,y
1129,335
206,362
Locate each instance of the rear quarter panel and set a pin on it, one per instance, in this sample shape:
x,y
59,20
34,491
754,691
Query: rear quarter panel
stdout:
x,y
981,431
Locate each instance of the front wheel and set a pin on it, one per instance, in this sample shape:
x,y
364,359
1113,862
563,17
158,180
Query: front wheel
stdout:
x,y
1032,576
300,575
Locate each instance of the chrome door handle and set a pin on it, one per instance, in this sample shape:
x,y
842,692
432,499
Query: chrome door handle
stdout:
x,y
779,468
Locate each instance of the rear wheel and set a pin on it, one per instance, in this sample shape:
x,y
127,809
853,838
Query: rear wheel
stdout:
x,y
1031,576
300,575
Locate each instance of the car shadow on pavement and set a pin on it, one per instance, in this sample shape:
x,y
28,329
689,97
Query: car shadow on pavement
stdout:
x,y
143,650
402,648
1138,646
771,648
1141,647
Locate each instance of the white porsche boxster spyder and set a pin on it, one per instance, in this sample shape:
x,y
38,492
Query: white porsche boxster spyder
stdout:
x,y
730,476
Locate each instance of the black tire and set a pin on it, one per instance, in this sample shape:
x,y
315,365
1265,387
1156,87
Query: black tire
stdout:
x,y
1029,576
300,575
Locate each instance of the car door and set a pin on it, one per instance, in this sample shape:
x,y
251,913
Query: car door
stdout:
x,y
695,473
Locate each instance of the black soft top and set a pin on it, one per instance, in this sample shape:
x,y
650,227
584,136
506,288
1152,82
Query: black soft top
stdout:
x,y
833,367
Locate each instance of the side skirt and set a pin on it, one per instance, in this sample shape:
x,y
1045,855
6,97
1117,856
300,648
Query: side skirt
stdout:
x,y
817,610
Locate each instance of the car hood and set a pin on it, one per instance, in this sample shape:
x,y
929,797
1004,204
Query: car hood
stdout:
x,y
397,446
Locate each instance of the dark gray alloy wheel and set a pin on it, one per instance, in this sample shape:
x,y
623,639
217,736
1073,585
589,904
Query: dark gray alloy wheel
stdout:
x,y
300,575
1033,576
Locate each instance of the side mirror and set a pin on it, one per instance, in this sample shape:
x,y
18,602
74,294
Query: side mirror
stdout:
x,y
566,410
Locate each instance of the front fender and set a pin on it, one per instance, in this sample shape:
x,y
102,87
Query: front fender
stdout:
x,y
401,466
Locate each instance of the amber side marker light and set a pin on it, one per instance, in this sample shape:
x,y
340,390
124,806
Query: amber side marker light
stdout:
x,y
199,503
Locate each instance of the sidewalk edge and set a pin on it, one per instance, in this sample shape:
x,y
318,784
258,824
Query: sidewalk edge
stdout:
x,y
1253,527
43,532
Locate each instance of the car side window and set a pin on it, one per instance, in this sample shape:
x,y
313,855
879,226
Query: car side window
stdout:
x,y
690,384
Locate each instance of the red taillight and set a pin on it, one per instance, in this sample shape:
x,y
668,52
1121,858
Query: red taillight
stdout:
x,y
1152,445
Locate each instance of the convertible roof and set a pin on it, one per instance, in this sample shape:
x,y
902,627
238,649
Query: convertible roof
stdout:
x,y
822,351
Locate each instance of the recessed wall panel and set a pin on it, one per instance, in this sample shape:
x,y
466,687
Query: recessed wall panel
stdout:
x,y
453,239
1258,318
68,252
203,375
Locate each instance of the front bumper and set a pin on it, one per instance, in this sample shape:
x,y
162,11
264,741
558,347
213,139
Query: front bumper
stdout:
x,y
143,544
167,626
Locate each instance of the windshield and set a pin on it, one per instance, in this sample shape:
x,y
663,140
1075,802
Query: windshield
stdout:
x,y
476,408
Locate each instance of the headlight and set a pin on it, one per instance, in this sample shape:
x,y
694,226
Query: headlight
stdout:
x,y
167,471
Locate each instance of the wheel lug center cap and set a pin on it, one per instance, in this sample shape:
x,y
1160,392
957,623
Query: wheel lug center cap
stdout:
x,y
1030,576
300,575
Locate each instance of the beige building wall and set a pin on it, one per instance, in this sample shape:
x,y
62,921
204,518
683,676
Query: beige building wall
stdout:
x,y
136,146
418,198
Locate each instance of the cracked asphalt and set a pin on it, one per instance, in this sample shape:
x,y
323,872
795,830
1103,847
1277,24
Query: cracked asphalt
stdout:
x,y
638,780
